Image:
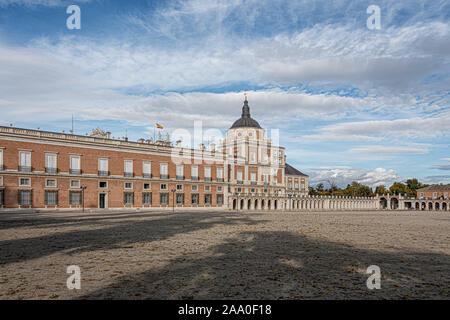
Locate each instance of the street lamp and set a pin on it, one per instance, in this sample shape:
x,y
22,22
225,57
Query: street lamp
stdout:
x,y
173,199
82,194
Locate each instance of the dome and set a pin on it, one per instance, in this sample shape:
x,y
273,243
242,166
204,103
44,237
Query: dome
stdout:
x,y
245,120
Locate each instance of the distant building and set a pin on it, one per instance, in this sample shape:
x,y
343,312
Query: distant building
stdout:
x,y
437,191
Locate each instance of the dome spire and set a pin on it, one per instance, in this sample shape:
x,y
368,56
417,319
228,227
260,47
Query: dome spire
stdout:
x,y
245,108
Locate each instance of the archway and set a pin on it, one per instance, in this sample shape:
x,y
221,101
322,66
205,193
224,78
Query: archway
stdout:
x,y
268,204
444,206
275,204
256,204
383,203
430,206
234,204
263,205
417,206
436,206
249,204
423,206
394,203
242,204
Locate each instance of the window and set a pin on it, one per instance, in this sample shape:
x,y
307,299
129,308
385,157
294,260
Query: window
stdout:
x,y
147,169
74,198
219,199
163,198
25,197
25,182
239,189
1,159
50,183
163,186
207,188
421,195
194,188
179,187
128,168
239,175
103,184
207,199
180,198
253,176
434,195
164,173
2,200
194,198
445,195
146,198
75,167
208,173
253,156
194,172
219,188
180,171
128,198
296,186
128,185
102,167
25,161
51,198
74,183
1,181
50,162
220,174
146,186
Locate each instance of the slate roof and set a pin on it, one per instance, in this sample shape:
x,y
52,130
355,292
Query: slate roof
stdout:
x,y
436,187
290,170
245,120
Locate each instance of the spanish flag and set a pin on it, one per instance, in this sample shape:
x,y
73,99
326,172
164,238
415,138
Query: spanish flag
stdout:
x,y
159,126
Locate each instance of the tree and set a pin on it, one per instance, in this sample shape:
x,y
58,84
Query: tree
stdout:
x,y
399,188
381,190
413,184
319,187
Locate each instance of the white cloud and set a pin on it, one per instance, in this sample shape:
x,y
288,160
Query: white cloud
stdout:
x,y
46,3
343,176
388,150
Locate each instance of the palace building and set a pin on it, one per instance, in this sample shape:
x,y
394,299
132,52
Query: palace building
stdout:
x,y
246,171
40,169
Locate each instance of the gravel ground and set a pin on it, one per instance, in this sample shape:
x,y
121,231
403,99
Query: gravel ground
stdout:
x,y
225,255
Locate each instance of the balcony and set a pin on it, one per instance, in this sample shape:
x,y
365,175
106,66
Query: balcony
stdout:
x,y
219,179
24,169
207,178
51,170
128,174
164,176
180,177
75,171
253,183
103,173
147,175
194,178
239,182
266,183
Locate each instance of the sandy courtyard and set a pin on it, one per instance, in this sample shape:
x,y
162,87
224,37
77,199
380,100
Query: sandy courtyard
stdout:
x,y
218,255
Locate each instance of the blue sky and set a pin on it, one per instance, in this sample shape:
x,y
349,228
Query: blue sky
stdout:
x,y
350,103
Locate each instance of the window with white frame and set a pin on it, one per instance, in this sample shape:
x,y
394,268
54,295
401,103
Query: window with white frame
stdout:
x,y
208,173
179,187
50,162
103,165
147,169
421,195
163,186
1,159
128,167
180,170
194,188
128,185
434,195
445,195
25,197
74,183
50,183
253,176
24,182
74,198
194,171
239,175
164,169
220,173
219,188
103,184
207,188
75,163
146,186
253,156
25,160
51,198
